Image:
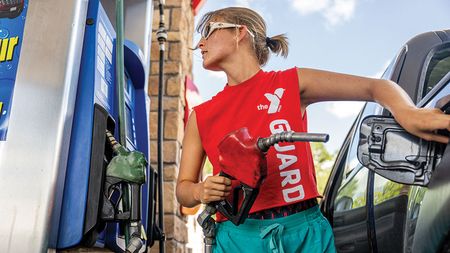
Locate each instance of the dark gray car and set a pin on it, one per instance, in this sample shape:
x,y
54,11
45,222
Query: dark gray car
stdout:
x,y
396,196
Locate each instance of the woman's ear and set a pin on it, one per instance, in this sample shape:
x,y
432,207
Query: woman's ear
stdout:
x,y
243,30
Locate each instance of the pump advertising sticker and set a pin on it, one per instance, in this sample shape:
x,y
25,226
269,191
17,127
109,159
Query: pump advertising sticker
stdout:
x,y
12,21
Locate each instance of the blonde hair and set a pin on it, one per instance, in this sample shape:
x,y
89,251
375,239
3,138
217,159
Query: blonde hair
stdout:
x,y
255,23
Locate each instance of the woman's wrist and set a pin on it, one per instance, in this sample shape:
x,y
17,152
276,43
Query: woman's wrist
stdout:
x,y
402,114
188,193
198,187
393,97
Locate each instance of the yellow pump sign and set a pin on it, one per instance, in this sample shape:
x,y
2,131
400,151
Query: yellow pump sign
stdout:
x,y
7,47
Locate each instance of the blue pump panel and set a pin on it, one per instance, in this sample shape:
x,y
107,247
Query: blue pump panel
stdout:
x,y
96,86
135,98
80,213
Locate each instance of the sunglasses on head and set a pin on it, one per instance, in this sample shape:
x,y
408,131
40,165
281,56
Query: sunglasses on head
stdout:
x,y
212,26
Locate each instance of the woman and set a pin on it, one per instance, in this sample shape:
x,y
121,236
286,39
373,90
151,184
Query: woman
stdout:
x,y
285,216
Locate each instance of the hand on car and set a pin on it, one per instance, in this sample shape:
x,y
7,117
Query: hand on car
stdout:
x,y
424,122
214,188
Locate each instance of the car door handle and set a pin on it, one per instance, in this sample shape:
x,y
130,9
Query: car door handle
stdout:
x,y
338,221
348,247
441,174
444,104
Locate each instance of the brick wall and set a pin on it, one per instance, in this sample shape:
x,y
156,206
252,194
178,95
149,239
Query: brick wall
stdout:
x,y
179,21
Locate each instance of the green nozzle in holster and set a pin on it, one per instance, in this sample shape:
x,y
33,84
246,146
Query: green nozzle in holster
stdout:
x,y
125,174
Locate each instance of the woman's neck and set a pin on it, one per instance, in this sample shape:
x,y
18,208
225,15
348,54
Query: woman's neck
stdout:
x,y
242,68
239,76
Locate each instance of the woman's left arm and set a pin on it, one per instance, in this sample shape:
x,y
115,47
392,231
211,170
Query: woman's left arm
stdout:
x,y
318,85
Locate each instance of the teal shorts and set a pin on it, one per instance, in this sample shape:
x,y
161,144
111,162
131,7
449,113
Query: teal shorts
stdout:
x,y
306,231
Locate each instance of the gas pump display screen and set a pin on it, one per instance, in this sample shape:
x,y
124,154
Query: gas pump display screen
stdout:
x,y
12,21
130,125
129,98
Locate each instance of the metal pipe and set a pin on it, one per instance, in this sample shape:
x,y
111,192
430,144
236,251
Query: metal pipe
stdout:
x,y
161,35
120,80
289,136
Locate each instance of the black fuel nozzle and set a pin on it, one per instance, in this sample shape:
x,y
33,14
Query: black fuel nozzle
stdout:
x,y
238,212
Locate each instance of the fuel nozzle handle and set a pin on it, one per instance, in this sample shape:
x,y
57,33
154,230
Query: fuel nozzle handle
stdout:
x,y
290,136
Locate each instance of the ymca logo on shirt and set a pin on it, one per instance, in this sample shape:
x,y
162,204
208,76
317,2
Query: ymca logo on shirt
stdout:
x,y
274,100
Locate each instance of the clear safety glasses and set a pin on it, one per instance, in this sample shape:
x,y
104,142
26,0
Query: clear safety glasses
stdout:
x,y
212,26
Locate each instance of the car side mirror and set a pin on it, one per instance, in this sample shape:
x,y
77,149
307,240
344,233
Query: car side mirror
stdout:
x,y
387,149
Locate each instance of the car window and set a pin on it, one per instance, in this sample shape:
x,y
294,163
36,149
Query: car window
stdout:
x,y
352,159
352,193
437,67
388,71
352,190
385,189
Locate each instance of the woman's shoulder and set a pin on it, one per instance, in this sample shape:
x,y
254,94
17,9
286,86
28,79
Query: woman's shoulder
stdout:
x,y
291,71
283,76
208,103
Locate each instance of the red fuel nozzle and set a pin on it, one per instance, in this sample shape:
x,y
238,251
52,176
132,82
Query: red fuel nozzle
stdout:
x,y
241,158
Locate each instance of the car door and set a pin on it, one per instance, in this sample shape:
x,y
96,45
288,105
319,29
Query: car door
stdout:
x,y
345,198
388,150
432,220
427,226
427,220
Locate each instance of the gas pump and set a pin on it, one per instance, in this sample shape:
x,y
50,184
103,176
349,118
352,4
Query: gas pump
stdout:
x,y
73,143
110,174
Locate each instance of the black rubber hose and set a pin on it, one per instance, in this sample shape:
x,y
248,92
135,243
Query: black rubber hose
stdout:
x,y
161,35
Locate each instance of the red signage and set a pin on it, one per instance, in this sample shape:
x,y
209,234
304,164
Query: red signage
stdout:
x,y
197,5
192,96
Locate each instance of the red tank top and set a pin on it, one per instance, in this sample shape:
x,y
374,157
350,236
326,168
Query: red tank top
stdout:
x,y
267,103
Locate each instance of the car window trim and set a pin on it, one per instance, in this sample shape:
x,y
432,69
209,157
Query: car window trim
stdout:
x,y
439,86
337,171
398,64
350,175
370,209
425,67
331,188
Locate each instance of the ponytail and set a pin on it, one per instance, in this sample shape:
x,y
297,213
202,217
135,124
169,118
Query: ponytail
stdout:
x,y
278,45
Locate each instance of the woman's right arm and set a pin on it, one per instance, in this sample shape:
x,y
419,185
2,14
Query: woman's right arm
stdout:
x,y
190,192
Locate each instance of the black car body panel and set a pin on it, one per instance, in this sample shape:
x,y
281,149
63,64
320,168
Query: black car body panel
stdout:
x,y
415,51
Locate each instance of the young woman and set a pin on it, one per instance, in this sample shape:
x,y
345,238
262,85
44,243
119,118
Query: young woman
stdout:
x,y
285,216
